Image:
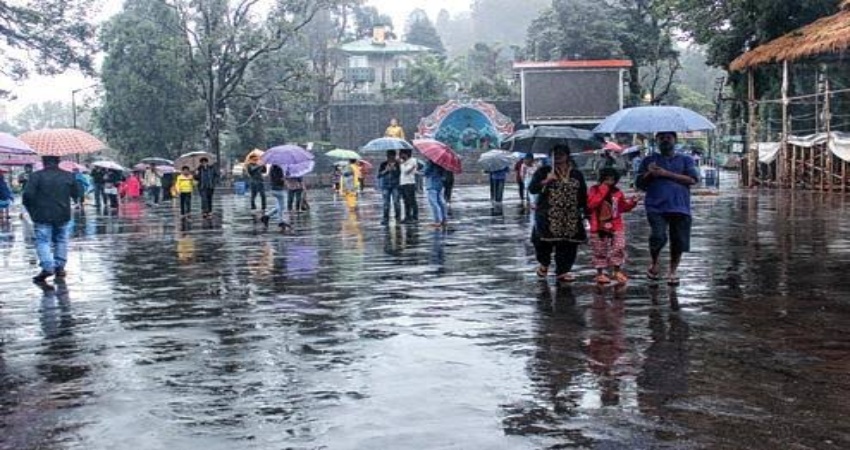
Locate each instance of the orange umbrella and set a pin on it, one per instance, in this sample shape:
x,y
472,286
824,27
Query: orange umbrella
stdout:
x,y
62,142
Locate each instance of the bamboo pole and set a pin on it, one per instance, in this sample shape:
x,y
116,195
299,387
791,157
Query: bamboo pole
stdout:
x,y
828,127
752,162
782,176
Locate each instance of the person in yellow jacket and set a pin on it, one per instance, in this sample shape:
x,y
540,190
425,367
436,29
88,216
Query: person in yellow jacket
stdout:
x,y
183,186
349,184
394,130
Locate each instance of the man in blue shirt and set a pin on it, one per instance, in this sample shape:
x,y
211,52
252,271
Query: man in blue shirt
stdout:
x,y
667,177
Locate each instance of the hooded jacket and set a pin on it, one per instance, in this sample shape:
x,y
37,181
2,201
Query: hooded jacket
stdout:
x,y
48,195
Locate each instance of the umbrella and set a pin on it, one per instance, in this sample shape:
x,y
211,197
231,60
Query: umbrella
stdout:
x,y
13,146
193,159
255,153
238,169
286,155
70,166
19,160
521,155
300,169
495,160
140,167
343,154
613,146
165,169
106,164
385,143
153,161
543,138
439,153
654,119
62,142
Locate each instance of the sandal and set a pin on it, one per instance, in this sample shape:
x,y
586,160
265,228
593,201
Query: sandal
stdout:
x,y
652,276
566,278
602,279
542,271
673,280
621,278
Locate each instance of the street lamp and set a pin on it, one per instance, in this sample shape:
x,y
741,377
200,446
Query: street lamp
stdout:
x,y
74,103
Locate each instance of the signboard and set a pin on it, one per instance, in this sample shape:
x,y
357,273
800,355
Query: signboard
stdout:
x,y
570,96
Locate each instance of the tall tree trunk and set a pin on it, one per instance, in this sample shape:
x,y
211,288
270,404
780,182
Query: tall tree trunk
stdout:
x,y
634,84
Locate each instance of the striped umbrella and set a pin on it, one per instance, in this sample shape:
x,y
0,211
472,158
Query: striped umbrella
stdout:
x,y
62,142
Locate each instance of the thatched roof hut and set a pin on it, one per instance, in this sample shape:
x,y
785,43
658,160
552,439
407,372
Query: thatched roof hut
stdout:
x,y
828,35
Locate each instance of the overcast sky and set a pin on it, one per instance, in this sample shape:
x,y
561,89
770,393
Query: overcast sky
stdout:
x,y
39,89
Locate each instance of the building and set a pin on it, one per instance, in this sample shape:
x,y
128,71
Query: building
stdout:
x,y
373,65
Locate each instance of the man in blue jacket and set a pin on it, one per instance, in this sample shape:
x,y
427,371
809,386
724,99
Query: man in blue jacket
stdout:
x,y
47,198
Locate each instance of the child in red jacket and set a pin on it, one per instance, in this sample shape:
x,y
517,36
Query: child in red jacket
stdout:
x,y
607,204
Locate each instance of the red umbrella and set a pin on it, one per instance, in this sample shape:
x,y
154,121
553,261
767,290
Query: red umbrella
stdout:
x,y
613,146
62,142
439,153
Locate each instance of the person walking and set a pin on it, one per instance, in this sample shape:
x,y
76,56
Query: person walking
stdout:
x,y
6,198
667,177
255,172
434,183
152,183
389,174
183,186
520,184
111,182
295,197
350,184
97,177
559,216
24,177
207,178
407,186
497,185
277,183
83,185
47,198
448,189
607,204
527,169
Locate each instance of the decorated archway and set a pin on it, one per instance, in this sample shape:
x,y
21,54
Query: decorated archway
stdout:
x,y
468,125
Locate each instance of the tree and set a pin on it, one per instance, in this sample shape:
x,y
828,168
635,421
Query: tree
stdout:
x,y
224,39
51,35
421,31
149,107
429,78
574,29
456,32
366,18
505,22
49,114
487,71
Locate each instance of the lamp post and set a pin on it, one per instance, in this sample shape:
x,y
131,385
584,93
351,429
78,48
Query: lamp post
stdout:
x,y
74,103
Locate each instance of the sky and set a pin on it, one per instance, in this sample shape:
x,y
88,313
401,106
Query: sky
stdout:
x,y
39,89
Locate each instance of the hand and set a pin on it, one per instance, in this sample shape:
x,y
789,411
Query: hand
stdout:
x,y
656,171
551,177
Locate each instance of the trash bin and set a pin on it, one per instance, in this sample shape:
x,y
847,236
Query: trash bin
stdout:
x,y
240,187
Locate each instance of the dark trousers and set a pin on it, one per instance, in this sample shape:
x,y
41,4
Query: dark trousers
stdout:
x,y
391,197
448,187
293,198
153,194
185,203
206,200
497,190
258,189
521,187
113,200
565,254
99,195
408,196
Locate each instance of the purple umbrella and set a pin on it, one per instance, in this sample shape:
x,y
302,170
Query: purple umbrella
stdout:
x,y
11,145
300,169
286,155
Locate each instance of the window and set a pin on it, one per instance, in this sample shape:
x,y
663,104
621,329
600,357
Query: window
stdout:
x,y
358,61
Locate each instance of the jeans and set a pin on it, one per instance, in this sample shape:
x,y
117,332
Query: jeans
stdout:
x,y
280,202
99,196
206,200
51,245
185,203
294,199
258,189
497,190
438,205
391,196
411,207
153,194
521,187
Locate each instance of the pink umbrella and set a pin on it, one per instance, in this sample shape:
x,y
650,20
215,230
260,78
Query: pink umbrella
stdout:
x,y
439,153
70,166
13,146
62,142
613,146
18,161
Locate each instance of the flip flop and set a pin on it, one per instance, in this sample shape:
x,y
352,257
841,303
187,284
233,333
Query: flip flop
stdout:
x,y
542,271
652,276
673,281
566,278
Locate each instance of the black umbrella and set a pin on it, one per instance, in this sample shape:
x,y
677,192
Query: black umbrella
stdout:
x,y
542,139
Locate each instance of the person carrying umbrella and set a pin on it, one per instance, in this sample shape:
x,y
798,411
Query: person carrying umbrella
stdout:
x,y
389,173
183,186
434,183
497,185
255,172
277,181
349,183
153,184
526,172
207,178
97,177
407,186
667,177
559,217
6,198
47,198
24,177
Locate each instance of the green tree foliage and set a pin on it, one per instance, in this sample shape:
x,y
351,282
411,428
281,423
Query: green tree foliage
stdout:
x,y
50,114
487,71
51,35
366,18
149,108
504,22
574,29
421,31
429,78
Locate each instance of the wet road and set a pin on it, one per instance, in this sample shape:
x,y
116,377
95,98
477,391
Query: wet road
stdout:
x,y
348,335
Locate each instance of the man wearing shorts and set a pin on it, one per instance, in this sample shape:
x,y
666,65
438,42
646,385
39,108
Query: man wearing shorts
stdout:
x,y
667,177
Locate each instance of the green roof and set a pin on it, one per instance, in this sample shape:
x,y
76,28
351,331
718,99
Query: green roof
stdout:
x,y
366,46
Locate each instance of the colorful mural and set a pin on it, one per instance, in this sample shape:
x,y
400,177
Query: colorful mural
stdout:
x,y
468,125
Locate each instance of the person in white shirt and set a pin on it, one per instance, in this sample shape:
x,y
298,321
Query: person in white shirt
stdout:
x,y
407,186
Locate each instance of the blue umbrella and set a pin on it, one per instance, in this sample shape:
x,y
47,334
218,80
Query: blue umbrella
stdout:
x,y
385,143
654,119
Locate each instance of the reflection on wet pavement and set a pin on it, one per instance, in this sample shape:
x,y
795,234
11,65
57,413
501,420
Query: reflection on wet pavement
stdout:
x,y
348,335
